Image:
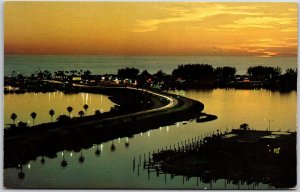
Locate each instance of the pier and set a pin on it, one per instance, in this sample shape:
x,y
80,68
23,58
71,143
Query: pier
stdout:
x,y
240,157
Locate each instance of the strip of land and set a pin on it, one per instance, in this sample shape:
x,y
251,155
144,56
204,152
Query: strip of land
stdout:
x,y
22,145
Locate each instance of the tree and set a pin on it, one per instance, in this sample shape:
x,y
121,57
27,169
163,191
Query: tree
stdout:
x,y
85,108
13,117
244,126
70,109
97,112
63,118
130,73
81,113
33,116
51,113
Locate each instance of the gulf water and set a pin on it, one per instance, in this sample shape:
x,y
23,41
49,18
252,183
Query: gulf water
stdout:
x,y
28,64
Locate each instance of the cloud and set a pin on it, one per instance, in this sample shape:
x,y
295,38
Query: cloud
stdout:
x,y
264,47
198,13
261,22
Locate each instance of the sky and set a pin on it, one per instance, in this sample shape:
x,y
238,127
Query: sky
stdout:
x,y
151,28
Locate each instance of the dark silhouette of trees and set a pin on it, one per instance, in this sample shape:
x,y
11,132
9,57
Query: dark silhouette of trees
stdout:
x,y
81,113
63,118
70,109
288,81
143,78
13,117
22,124
33,116
224,75
85,108
97,112
195,75
260,73
244,126
130,73
51,113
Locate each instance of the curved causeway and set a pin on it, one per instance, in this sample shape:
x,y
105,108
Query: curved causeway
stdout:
x,y
20,145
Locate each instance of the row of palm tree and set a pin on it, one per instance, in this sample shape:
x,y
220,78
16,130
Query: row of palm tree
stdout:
x,y
51,113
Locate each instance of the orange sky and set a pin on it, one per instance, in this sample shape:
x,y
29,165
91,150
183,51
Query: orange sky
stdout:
x,y
115,28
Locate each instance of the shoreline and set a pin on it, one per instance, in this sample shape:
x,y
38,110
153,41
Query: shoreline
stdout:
x,y
51,140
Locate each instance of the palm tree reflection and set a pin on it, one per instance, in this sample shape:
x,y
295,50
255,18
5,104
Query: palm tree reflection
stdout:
x,y
21,175
42,160
81,158
64,163
98,151
112,147
126,143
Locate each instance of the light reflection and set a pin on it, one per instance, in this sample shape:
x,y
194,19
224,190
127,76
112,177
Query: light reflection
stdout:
x,y
62,153
167,128
71,154
141,133
148,133
28,166
101,147
119,139
177,124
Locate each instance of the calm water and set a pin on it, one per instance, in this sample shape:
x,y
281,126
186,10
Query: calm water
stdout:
x,y
111,64
115,169
24,104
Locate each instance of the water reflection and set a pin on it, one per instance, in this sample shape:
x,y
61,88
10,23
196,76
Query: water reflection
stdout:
x,y
124,174
43,102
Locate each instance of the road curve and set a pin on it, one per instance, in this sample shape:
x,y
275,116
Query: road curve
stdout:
x,y
172,101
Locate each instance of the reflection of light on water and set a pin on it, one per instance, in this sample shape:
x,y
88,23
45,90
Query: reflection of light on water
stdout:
x,y
62,153
28,166
87,98
82,97
71,154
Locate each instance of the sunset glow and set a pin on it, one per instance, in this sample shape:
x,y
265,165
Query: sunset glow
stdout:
x,y
114,28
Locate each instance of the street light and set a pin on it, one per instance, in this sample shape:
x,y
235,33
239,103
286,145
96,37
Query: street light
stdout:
x,y
270,120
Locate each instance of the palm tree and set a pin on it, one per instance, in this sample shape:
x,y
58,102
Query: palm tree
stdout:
x,y
13,117
33,116
69,109
85,108
51,113
81,113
